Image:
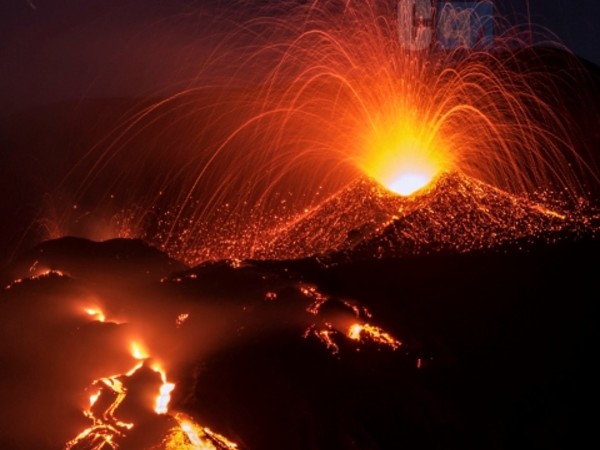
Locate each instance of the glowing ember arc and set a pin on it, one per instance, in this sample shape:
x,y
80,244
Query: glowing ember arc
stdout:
x,y
339,97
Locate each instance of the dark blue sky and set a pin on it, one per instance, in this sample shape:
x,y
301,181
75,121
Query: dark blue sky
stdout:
x,y
51,50
575,22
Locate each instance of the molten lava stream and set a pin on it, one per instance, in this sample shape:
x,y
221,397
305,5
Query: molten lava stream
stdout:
x,y
131,410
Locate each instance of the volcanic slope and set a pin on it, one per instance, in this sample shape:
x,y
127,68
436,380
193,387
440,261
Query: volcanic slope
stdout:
x,y
457,213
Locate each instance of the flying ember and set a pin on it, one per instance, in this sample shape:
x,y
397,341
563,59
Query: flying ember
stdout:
x,y
335,94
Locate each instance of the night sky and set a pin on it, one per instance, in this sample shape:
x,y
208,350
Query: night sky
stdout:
x,y
57,50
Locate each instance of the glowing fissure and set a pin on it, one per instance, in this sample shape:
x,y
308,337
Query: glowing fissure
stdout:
x,y
318,299
359,332
327,336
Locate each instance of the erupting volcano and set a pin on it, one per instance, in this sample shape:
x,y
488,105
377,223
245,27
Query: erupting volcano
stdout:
x,y
360,225
315,96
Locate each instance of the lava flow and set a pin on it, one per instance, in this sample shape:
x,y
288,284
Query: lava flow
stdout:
x,y
119,405
118,316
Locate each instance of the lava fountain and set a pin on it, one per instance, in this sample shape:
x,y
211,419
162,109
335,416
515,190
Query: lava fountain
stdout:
x,y
317,94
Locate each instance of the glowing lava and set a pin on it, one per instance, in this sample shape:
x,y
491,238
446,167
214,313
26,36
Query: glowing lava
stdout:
x,y
400,154
189,435
405,179
138,352
96,313
164,397
117,405
359,332
408,183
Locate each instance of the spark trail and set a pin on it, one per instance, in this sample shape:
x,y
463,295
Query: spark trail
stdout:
x,y
316,96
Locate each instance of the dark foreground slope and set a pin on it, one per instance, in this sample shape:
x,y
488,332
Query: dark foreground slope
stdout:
x,y
497,348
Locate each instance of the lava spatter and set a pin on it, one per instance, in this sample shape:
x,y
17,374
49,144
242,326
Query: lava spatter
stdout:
x,y
456,213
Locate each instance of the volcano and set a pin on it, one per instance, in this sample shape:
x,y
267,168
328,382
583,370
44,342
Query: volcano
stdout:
x,y
461,317
456,213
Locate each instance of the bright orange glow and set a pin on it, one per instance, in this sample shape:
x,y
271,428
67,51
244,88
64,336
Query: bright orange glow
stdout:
x,y
354,332
164,397
96,313
138,351
358,332
49,272
107,430
341,96
402,155
191,435
181,318
94,398
137,367
408,183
